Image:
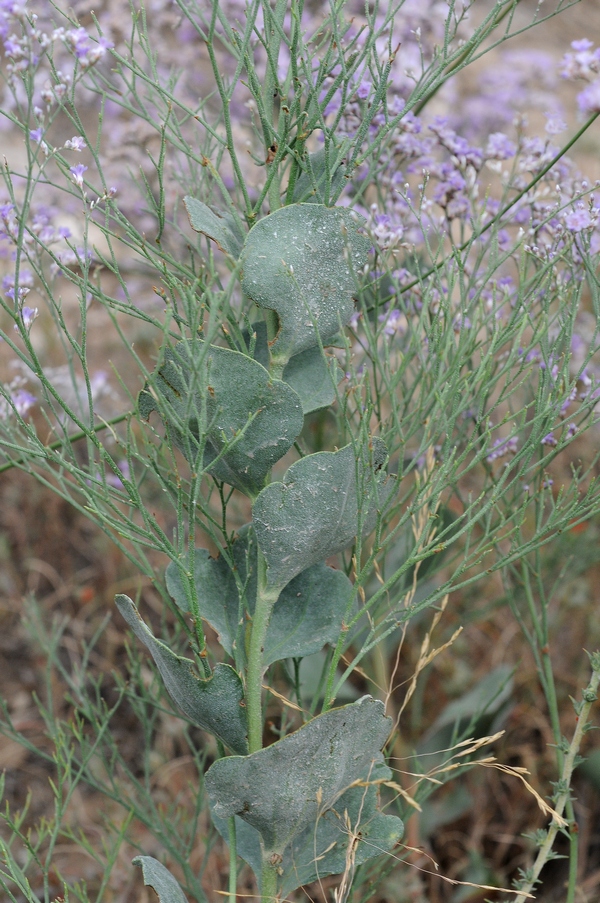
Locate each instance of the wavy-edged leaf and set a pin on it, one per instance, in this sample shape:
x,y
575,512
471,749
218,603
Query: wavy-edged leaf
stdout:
x,y
219,227
318,508
301,261
283,790
160,879
216,704
243,419
322,849
307,615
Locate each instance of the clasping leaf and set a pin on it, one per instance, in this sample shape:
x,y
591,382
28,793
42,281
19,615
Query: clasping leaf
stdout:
x,y
301,262
216,705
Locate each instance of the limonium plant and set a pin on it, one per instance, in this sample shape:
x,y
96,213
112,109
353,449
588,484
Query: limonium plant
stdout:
x,y
353,340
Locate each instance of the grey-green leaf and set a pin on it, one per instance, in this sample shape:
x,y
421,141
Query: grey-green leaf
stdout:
x,y
301,262
312,184
311,374
216,705
307,615
219,227
225,403
318,508
282,790
354,819
160,879
321,849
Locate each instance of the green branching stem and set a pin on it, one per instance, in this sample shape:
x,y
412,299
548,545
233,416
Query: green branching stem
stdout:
x,y
584,708
273,37
266,597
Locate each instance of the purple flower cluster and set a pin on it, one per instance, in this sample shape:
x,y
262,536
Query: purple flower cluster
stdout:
x,y
584,63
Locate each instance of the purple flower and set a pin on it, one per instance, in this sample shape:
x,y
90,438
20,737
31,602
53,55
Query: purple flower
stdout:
x,y
555,124
77,143
549,439
363,90
499,147
37,134
77,173
28,315
395,322
578,220
23,401
589,99
502,447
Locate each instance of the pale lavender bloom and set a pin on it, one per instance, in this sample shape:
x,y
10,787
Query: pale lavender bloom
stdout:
x,y
572,429
23,401
87,52
499,147
502,447
568,401
37,134
395,322
583,63
548,482
28,315
363,90
578,220
77,143
77,173
549,439
589,99
555,124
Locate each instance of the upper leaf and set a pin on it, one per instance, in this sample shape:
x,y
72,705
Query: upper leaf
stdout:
x,y
283,790
160,879
225,403
313,184
307,615
318,508
219,227
301,261
216,704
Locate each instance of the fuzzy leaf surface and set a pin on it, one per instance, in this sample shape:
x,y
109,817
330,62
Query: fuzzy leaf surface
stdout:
x,y
219,227
216,704
318,508
311,374
282,790
321,850
160,879
225,403
301,262
307,615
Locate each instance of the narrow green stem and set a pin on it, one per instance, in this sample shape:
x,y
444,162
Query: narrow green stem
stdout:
x,y
273,44
232,859
60,443
562,800
266,597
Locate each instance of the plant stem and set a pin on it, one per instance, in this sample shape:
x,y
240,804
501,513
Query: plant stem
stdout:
x,y
589,697
269,883
232,860
266,597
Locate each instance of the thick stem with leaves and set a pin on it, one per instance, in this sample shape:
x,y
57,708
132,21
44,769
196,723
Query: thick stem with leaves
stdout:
x,y
266,597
